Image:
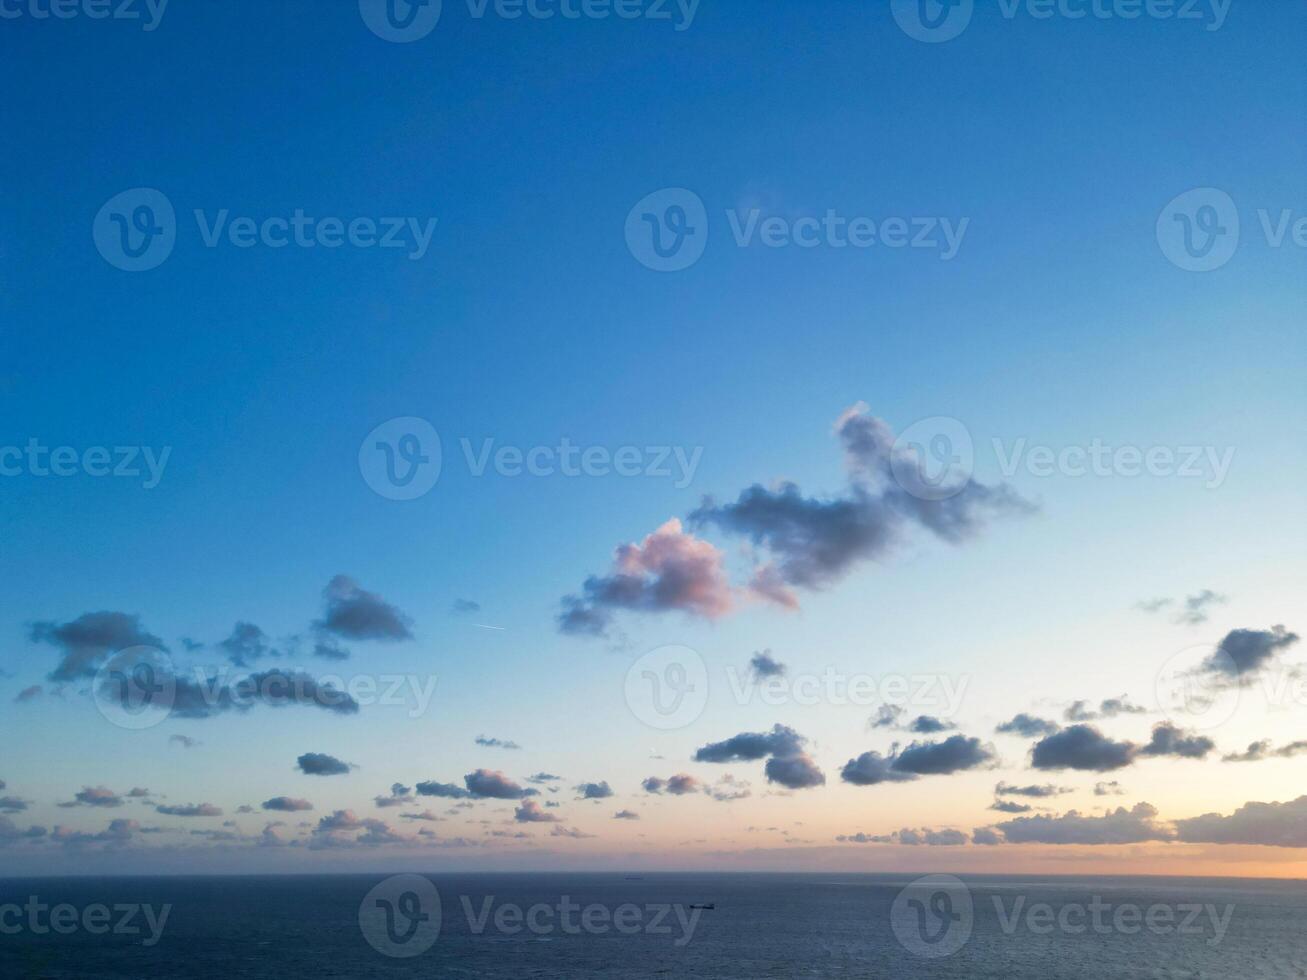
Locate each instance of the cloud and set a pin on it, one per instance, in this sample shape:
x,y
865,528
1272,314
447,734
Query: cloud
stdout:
x,y
10,833
496,743
445,790
932,838
531,812
565,832
90,639
287,804
1195,610
492,784
247,644
355,614
329,649
334,832
861,838
764,665
952,755
1010,806
543,777
669,570
464,606
871,769
399,795
890,716
626,815
594,791
28,694
1027,726
1108,708
1168,740
1042,791
813,542
95,796
1244,653
728,789
749,746
1258,751
320,764
678,785
797,771
1268,824
12,804
1082,747
986,836
1119,826
212,696
1111,788
189,810
185,741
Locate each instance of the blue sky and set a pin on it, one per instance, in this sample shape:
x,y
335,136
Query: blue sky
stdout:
x,y
1059,321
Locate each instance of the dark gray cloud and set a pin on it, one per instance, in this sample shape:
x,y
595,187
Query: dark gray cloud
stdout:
x,y
320,764
1108,708
1257,751
10,832
446,790
494,785
815,542
399,796
1011,806
185,741
95,796
797,771
670,570
1168,740
1119,826
891,716
594,791
496,743
189,810
749,746
28,694
198,698
543,777
329,649
464,606
12,804
679,785
1082,747
871,769
1037,792
626,815
247,644
1110,788
861,838
356,614
531,812
1244,653
287,804
764,665
1196,607
931,838
954,754
1028,726
1268,824
986,836
89,640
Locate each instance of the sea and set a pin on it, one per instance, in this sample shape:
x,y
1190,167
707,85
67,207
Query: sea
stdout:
x,y
618,926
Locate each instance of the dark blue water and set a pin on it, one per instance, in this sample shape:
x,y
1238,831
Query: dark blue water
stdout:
x,y
763,925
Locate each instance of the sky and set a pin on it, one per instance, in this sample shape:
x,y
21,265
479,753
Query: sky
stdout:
x,y
686,439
